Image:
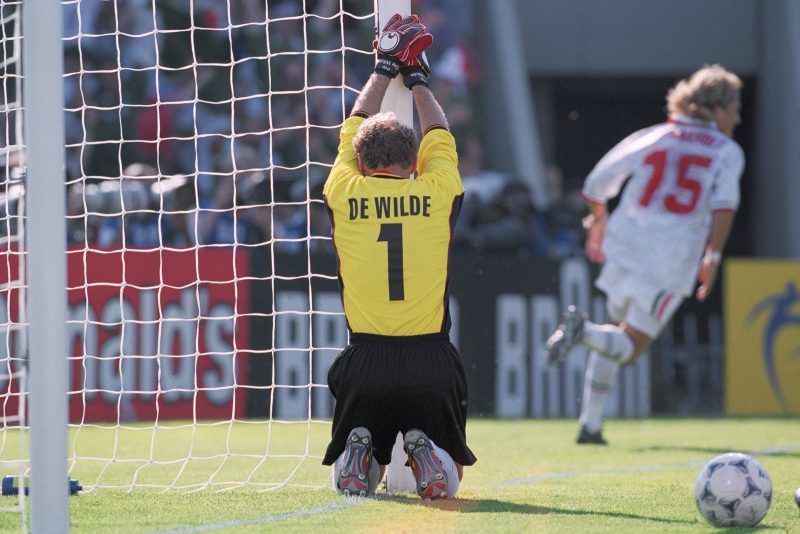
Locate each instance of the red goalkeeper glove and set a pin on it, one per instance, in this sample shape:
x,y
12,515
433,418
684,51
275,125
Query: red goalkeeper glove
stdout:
x,y
400,42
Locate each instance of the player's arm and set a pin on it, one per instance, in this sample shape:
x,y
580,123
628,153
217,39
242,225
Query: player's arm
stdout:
x,y
604,183
437,159
401,41
405,38
429,111
595,225
721,224
724,202
608,176
369,101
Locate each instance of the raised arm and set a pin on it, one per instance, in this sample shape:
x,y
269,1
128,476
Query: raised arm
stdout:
x,y
438,160
428,109
369,101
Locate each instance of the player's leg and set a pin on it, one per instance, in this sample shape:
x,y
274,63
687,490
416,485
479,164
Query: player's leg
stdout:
x,y
601,373
611,341
610,346
434,414
363,427
640,326
608,339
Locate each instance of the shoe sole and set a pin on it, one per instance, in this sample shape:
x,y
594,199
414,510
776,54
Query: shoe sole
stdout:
x,y
556,350
587,442
426,466
354,474
590,439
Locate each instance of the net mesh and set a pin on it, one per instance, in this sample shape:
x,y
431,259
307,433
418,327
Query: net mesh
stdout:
x,y
13,457
203,306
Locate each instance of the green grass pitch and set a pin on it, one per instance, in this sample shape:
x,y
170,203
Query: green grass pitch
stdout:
x,y
530,477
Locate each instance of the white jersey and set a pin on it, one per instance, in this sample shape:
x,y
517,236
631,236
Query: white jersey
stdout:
x,y
678,173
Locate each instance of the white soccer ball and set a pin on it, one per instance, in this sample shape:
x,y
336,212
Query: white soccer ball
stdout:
x,y
733,489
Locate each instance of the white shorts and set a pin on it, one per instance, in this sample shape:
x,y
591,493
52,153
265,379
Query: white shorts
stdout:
x,y
636,302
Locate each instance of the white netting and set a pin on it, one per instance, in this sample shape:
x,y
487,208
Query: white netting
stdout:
x,y
203,306
13,457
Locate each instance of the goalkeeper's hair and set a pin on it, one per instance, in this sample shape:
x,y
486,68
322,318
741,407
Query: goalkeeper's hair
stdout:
x,y
382,141
699,95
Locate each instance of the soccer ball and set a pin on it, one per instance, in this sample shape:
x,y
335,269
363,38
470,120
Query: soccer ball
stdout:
x,y
733,489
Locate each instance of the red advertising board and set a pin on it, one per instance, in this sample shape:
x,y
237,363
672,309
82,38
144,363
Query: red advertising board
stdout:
x,y
152,334
12,362
157,334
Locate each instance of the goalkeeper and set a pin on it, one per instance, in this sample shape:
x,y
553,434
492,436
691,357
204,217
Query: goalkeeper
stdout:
x,y
392,235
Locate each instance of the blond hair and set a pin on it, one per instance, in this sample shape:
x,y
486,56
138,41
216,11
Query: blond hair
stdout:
x,y
703,91
382,141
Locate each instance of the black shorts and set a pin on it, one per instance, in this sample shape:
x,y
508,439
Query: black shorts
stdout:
x,y
393,384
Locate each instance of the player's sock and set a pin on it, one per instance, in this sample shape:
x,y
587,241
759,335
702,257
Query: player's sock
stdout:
x,y
609,340
600,375
374,476
450,470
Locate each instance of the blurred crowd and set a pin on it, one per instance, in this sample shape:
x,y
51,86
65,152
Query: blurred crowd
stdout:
x,y
215,123
206,122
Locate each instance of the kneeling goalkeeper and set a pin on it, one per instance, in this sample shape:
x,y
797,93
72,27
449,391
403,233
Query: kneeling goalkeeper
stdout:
x,y
392,234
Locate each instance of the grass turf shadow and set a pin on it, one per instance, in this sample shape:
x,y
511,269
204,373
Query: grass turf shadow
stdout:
x,y
716,451
494,506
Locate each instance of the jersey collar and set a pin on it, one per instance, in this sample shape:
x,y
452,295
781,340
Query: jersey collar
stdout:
x,y
381,173
684,120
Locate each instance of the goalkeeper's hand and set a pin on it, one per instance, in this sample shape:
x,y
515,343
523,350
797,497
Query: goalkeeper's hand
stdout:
x,y
399,44
416,71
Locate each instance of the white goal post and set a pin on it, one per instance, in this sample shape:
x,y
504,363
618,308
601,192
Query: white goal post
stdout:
x,y
398,100
45,247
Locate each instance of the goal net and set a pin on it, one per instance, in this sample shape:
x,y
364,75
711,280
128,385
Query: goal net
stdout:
x,y
13,458
203,301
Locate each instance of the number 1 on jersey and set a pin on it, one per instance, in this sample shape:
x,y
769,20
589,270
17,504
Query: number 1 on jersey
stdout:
x,y
392,234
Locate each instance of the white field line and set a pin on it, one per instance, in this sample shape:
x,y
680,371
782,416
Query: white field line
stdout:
x,y
771,451
342,503
335,506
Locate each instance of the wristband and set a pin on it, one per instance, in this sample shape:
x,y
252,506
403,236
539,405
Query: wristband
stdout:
x,y
414,76
388,66
712,257
589,221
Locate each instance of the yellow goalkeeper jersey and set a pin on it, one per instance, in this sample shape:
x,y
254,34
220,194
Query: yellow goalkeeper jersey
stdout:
x,y
393,237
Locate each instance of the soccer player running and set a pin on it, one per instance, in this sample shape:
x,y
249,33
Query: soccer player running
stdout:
x,y
669,228
393,234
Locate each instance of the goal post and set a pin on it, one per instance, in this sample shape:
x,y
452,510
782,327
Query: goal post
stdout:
x,y
46,263
397,98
